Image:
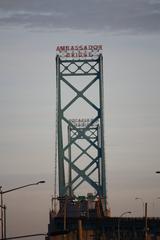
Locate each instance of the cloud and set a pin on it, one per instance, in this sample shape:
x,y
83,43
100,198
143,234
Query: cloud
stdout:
x,y
113,15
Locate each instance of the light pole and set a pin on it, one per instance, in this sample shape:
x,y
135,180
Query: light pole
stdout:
x,y
146,216
124,213
137,198
3,224
4,219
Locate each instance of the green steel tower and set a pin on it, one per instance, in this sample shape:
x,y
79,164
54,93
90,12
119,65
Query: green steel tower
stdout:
x,y
80,128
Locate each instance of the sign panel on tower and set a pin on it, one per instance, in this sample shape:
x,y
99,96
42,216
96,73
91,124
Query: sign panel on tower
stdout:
x,y
79,51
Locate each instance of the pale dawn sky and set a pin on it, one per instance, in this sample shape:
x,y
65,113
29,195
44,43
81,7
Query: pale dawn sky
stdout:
x,y
129,31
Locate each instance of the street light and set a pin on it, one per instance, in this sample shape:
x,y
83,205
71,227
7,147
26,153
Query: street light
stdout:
x,y
4,219
3,206
137,198
157,172
124,213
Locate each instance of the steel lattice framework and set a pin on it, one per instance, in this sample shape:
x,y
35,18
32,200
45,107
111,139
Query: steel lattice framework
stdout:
x,y
80,141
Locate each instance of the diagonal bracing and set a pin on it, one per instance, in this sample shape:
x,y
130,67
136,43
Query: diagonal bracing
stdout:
x,y
80,128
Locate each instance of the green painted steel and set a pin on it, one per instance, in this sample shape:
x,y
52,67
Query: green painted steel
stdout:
x,y
80,140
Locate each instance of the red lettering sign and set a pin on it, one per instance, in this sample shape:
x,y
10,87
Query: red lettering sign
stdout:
x,y
79,51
